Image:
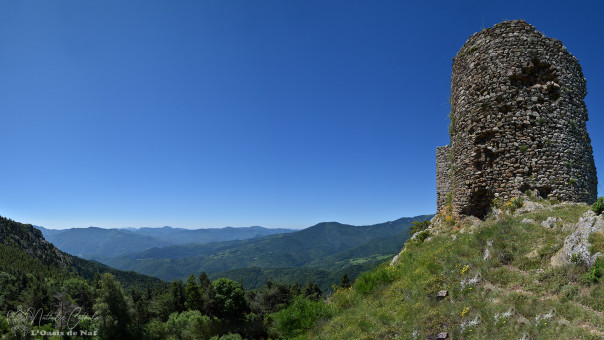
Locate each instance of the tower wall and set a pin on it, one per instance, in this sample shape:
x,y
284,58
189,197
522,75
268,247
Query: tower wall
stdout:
x,y
518,120
443,176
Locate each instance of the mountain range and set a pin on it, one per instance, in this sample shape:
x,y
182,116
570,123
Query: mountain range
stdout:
x,y
325,250
95,242
322,253
24,251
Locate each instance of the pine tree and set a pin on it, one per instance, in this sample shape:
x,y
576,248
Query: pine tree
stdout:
x,y
345,281
312,291
177,292
193,295
112,309
207,295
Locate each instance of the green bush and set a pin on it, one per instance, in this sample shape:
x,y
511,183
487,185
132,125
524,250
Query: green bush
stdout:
x,y
577,259
368,281
300,316
594,275
598,207
422,236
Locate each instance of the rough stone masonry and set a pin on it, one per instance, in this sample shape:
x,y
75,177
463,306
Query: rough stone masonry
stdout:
x,y
518,122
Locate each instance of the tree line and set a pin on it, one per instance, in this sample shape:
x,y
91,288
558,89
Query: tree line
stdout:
x,y
197,308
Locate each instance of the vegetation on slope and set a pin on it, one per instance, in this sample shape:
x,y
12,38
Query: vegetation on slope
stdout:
x,y
499,285
254,277
310,247
45,293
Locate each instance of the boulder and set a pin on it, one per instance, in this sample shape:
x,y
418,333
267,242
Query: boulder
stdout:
x,y
578,241
551,222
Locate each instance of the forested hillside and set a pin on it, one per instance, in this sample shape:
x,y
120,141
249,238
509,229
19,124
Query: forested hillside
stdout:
x,y
329,247
47,293
90,243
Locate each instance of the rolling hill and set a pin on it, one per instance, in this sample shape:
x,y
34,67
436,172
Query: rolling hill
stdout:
x,y
326,246
23,250
94,242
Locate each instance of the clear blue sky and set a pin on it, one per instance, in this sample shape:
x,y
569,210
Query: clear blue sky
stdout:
x,y
216,113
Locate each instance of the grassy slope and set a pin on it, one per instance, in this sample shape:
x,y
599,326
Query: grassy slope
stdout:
x,y
516,295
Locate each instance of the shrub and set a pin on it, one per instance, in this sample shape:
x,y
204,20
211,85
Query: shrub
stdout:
x,y
594,275
513,204
188,325
300,316
368,281
422,236
577,259
598,207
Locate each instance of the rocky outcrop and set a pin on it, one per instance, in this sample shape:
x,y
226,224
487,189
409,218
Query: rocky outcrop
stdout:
x,y
577,244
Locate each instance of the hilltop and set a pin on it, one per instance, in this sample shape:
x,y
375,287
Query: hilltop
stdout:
x,y
325,252
531,270
23,250
93,242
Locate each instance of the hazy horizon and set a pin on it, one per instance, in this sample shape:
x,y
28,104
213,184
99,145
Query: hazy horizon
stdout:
x,y
221,227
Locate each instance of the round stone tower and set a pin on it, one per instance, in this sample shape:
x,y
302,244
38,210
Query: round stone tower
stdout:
x,y
517,121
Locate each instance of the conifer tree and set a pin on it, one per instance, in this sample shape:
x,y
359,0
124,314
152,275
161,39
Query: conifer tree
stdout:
x,y
193,295
112,309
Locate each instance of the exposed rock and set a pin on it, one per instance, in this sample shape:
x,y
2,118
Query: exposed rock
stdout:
x,y
528,221
551,222
441,295
443,335
532,254
471,281
547,316
528,206
487,251
470,323
469,223
395,259
505,315
578,241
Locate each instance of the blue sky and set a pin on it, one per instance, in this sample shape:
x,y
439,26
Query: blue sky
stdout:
x,y
216,113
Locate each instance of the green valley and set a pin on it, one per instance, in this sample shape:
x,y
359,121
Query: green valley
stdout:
x,y
326,247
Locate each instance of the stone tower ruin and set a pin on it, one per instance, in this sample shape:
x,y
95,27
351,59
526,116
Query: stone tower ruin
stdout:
x,y
518,122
